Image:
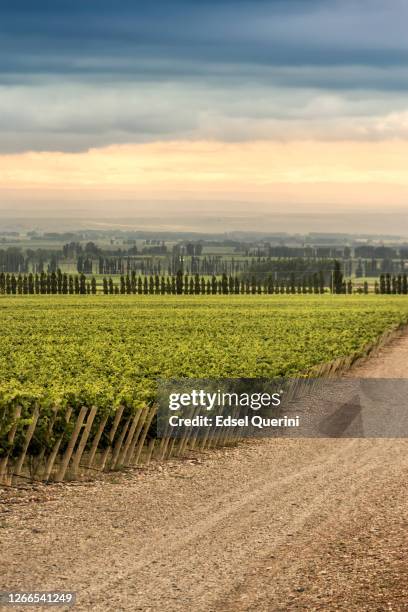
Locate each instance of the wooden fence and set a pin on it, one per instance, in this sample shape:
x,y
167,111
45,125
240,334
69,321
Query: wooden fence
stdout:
x,y
127,442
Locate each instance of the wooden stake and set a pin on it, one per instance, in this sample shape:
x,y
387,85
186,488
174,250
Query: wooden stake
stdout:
x,y
71,444
28,436
112,432
171,448
163,447
10,439
150,450
118,444
144,434
129,439
128,460
82,443
96,441
54,452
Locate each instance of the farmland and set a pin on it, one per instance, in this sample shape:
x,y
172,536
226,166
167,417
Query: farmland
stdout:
x,y
107,350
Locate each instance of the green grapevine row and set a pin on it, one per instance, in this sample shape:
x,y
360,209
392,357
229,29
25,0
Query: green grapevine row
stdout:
x,y
106,352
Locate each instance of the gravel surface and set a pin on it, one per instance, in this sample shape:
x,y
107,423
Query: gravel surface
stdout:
x,y
268,525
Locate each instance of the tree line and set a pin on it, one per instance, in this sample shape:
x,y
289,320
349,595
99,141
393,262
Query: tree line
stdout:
x,y
184,284
46,283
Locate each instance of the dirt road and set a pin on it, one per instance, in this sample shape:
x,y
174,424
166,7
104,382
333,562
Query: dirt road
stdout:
x,y
271,525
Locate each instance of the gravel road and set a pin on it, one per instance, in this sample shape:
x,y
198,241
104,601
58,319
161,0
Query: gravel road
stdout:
x,y
271,525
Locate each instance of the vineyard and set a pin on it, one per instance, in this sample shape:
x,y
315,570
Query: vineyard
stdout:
x,y
78,374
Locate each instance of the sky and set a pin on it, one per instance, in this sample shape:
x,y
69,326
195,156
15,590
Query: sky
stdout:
x,y
300,104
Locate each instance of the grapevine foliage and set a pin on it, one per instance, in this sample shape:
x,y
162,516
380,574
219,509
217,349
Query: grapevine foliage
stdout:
x,y
59,351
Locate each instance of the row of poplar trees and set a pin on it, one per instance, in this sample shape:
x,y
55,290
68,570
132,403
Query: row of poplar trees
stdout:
x,y
181,284
47,283
393,284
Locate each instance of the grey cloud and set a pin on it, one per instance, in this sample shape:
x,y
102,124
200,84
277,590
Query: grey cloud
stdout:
x,y
73,76
73,117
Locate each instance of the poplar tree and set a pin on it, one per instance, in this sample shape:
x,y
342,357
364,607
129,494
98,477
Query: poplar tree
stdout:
x,y
388,283
224,284
134,282
404,284
315,283
53,283
179,282
82,284
196,284
237,286
122,284
292,283
37,284
265,286
59,281
65,284
43,283
151,285
321,281
337,277
399,284
30,283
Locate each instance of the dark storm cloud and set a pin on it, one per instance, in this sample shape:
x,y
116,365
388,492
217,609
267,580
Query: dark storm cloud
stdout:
x,y
121,37
79,73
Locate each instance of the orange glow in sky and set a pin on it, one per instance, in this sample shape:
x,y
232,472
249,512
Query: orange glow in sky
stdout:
x,y
364,173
